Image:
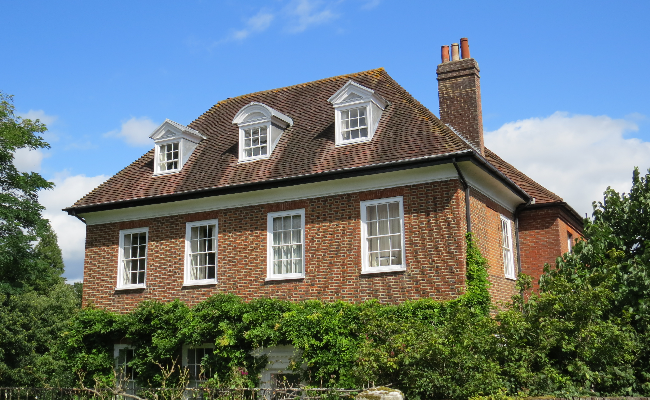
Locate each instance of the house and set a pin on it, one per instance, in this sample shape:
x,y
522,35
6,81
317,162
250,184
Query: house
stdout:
x,y
344,188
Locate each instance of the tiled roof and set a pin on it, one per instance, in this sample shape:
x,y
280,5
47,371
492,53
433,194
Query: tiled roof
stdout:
x,y
534,189
407,130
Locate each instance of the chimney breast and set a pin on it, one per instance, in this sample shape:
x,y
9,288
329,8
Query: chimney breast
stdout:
x,y
459,94
454,52
445,53
464,48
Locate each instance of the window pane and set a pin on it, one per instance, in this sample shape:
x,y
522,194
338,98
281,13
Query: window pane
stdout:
x,y
371,213
382,211
396,242
384,243
383,227
277,223
372,228
395,225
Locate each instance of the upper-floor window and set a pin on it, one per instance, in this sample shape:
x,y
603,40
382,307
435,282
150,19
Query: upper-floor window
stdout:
x,y
256,141
174,145
506,246
357,113
286,250
382,235
132,268
569,240
201,252
260,128
168,157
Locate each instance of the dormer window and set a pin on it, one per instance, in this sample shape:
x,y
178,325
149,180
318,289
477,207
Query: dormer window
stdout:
x,y
260,128
354,124
256,141
168,157
358,110
174,145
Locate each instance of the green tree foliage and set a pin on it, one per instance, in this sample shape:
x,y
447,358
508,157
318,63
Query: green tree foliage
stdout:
x,y
35,305
22,265
31,325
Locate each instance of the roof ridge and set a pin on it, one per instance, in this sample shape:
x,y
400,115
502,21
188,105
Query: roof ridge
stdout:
x,y
318,81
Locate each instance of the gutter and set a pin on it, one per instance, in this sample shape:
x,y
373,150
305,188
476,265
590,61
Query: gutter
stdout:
x,y
465,155
74,214
468,215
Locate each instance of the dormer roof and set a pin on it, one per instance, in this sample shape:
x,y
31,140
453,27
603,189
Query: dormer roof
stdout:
x,y
352,92
255,112
170,129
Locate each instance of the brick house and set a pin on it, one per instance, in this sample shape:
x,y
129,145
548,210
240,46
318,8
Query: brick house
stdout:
x,y
343,188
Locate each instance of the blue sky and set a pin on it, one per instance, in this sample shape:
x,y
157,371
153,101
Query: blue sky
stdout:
x,y
564,84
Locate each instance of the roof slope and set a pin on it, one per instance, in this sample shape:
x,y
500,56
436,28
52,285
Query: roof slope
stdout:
x,y
407,130
534,189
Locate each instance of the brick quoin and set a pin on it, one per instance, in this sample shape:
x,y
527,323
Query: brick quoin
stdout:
x,y
435,252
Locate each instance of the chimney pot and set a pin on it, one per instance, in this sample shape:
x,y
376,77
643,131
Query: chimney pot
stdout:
x,y
464,48
454,52
445,53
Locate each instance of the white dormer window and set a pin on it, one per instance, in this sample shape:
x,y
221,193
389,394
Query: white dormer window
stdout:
x,y
174,145
168,160
260,128
358,110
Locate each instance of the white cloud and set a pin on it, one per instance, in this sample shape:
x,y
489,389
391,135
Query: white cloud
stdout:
x,y
27,160
257,23
575,156
40,115
306,14
370,4
70,231
135,131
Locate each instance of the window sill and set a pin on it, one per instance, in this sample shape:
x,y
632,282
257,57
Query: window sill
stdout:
x,y
245,160
512,278
174,171
200,283
130,287
379,270
354,141
285,277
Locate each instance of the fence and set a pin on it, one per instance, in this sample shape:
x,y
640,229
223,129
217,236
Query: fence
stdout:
x,y
177,394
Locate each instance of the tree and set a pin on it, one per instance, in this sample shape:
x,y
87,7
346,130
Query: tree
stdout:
x,y
23,265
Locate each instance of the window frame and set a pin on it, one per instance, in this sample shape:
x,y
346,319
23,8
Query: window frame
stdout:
x,y
120,260
157,162
116,357
365,265
187,281
338,120
270,275
510,259
185,361
242,128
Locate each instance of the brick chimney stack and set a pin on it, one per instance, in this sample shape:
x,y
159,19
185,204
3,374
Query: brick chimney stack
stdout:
x,y
459,94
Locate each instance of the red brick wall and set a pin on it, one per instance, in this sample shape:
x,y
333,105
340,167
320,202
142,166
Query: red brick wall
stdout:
x,y
543,238
435,252
486,226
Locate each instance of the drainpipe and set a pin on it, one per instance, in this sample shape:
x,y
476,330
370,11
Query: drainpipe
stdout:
x,y
463,182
